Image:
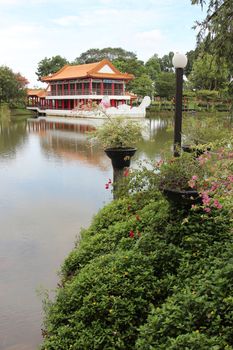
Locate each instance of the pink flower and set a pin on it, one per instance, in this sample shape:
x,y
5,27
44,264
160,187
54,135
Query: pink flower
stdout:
x,y
106,186
109,181
214,187
207,210
205,198
194,177
217,204
131,234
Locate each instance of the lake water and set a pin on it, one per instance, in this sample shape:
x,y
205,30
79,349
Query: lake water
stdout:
x,y
51,184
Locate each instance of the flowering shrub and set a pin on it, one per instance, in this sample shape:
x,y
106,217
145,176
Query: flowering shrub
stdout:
x,y
175,173
146,277
216,187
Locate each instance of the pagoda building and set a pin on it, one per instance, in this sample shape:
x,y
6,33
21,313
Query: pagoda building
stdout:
x,y
36,97
76,85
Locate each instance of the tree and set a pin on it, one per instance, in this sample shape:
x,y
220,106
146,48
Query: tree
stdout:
x,y
142,86
131,66
166,62
165,85
216,30
12,86
95,55
50,65
21,80
192,55
207,74
153,67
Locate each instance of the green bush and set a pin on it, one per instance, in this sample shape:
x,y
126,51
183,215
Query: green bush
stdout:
x,y
117,211
111,234
198,313
104,242
103,306
147,276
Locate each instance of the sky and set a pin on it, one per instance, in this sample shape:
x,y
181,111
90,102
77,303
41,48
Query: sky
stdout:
x,y
31,30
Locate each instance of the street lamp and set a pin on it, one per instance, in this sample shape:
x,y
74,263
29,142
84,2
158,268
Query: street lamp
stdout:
x,y
179,61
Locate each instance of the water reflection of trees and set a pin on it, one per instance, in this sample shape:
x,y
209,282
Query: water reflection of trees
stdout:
x,y
12,137
159,140
70,146
155,125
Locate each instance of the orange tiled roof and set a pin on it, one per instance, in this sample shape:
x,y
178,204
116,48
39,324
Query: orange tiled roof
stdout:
x,y
88,70
36,92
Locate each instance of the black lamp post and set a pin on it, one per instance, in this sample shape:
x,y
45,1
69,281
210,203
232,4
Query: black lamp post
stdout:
x,y
179,62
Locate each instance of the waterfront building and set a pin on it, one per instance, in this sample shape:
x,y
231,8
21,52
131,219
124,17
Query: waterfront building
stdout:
x,y
75,86
36,97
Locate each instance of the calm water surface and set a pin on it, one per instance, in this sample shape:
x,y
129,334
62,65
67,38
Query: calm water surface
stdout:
x,y
51,184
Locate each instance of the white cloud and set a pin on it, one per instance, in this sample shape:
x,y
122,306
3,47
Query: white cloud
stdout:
x,y
150,36
96,17
148,43
21,2
70,27
66,20
18,37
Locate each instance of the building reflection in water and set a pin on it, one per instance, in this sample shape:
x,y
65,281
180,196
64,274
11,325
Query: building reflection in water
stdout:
x,y
69,142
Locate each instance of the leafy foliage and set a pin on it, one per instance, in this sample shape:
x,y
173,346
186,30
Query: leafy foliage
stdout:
x,y
50,65
175,173
153,67
110,53
197,131
192,56
117,132
209,74
166,62
165,85
216,30
142,86
147,276
12,86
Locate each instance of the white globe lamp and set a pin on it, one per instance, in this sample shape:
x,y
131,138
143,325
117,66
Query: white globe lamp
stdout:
x,y
179,60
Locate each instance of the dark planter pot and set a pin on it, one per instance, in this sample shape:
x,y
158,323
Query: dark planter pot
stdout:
x,y
120,157
185,198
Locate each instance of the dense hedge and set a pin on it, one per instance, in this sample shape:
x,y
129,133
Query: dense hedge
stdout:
x,y
146,276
